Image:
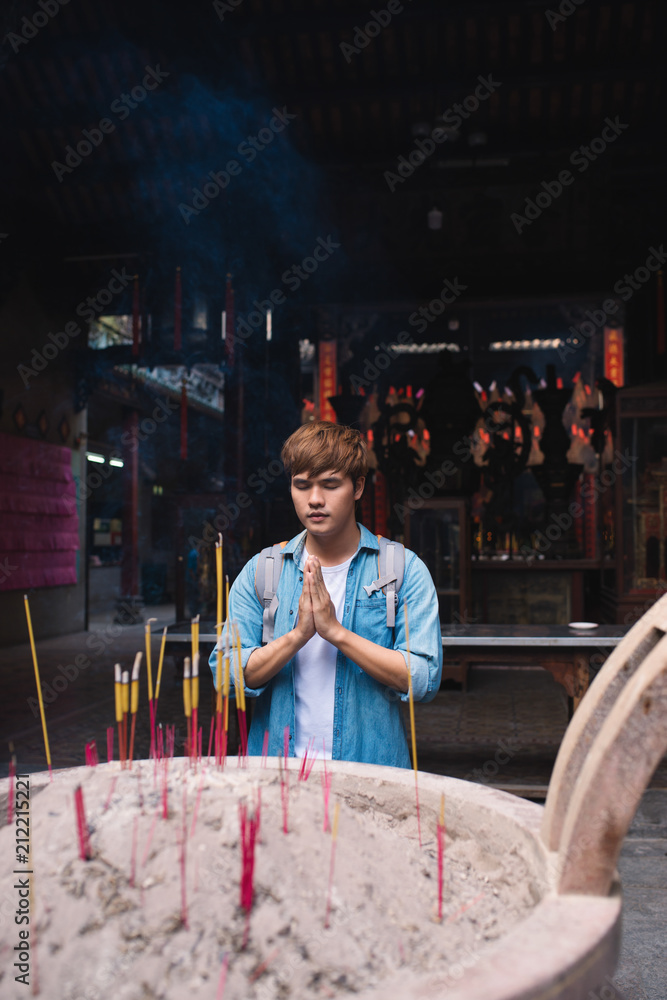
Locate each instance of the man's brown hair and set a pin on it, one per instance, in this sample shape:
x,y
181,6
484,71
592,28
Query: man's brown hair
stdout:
x,y
321,445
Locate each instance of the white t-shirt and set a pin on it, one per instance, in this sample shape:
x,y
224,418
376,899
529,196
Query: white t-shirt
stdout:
x,y
315,673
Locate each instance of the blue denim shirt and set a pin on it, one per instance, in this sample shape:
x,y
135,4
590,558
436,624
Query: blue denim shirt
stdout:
x,y
368,722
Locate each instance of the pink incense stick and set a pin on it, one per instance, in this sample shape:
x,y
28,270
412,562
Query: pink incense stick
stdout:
x,y
284,792
81,825
109,743
326,788
265,748
311,764
111,791
223,977
286,744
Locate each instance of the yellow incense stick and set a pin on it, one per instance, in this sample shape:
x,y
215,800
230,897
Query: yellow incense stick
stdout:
x,y
218,577
161,661
125,686
187,692
237,647
149,671
195,682
39,686
227,595
118,692
135,685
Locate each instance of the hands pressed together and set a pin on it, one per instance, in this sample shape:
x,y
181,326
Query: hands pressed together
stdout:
x,y
316,609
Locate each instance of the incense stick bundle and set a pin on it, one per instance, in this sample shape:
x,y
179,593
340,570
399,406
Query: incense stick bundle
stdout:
x,y
240,690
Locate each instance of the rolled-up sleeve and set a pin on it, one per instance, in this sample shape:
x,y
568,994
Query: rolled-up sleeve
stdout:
x,y
424,655
246,611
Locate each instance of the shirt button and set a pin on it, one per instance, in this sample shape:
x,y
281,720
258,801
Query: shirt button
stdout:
x,y
300,579
291,612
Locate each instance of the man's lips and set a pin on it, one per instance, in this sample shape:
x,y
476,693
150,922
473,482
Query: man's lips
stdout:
x,y
317,516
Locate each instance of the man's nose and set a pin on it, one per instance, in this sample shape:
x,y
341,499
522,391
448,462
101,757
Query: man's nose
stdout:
x,y
316,497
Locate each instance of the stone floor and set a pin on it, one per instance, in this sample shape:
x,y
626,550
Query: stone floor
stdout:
x,y
504,731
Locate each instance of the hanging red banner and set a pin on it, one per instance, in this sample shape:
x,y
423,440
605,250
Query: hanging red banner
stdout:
x,y
328,378
614,358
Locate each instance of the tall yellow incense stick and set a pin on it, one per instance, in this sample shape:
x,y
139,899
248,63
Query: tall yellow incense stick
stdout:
x,y
412,716
149,671
159,666
241,685
218,622
218,576
39,686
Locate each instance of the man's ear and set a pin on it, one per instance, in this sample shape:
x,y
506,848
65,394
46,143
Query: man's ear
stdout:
x,y
359,487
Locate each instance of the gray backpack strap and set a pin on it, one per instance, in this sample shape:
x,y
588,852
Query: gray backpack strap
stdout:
x,y
392,570
267,577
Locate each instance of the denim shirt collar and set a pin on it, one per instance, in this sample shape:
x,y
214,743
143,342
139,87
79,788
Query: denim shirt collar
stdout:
x,y
294,547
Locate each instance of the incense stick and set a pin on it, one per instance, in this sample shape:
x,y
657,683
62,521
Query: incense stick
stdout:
x,y
195,705
441,853
134,703
81,825
187,700
118,693
412,719
125,691
39,685
149,676
159,666
334,834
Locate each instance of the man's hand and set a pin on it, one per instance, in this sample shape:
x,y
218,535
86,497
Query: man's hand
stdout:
x,y
323,610
305,626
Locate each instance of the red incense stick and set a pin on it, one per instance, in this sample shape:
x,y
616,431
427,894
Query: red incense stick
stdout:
x,y
210,738
441,853
81,825
109,743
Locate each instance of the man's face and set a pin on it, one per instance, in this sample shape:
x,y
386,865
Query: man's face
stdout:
x,y
325,504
